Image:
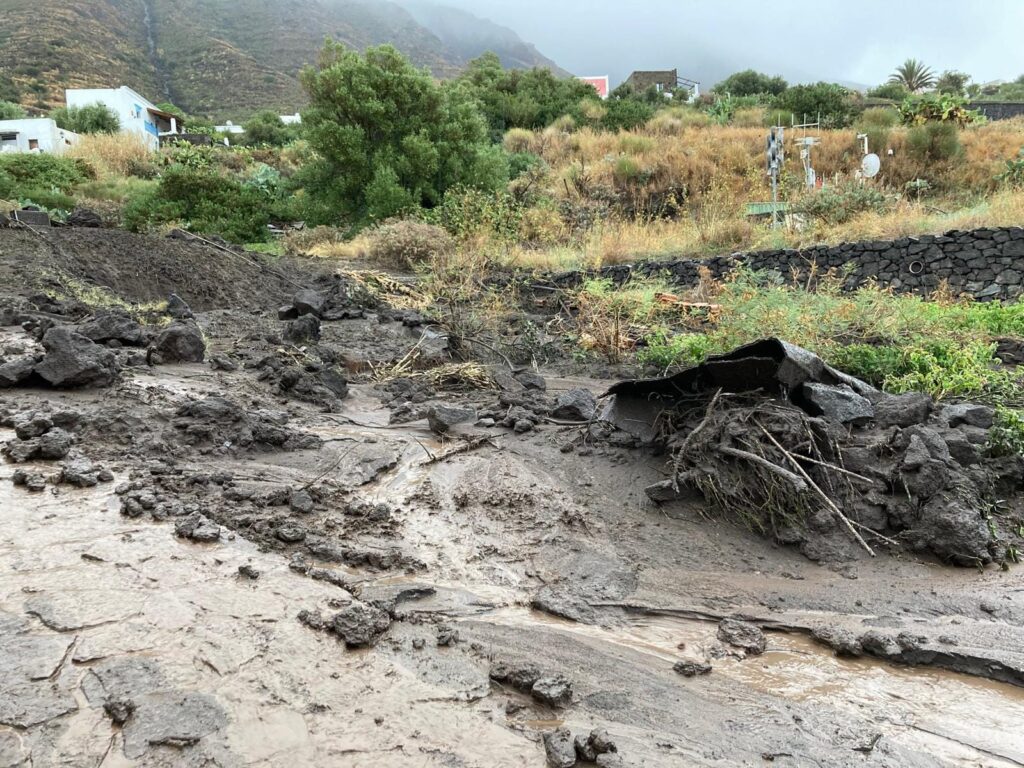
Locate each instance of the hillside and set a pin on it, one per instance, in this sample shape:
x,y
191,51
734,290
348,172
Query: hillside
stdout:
x,y
221,58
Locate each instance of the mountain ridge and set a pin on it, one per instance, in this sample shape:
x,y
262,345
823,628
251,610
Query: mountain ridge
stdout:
x,y
223,58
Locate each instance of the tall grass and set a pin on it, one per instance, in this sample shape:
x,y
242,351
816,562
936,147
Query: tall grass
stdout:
x,y
120,154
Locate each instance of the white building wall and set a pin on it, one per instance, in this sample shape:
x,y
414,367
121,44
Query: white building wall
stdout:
x,y
30,134
131,109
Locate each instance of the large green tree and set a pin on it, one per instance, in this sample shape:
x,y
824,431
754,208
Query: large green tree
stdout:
x,y
751,83
389,138
913,75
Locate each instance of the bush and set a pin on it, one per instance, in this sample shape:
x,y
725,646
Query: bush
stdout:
x,y
625,114
205,202
266,128
43,171
467,213
122,155
941,108
48,199
518,140
879,117
829,101
93,118
751,83
1013,174
1006,438
934,142
895,92
11,111
407,243
839,204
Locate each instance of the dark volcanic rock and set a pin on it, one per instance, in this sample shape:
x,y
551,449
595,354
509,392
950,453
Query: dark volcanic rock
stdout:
x,y
902,410
555,691
181,342
16,371
178,309
742,634
84,217
72,360
304,330
360,624
309,302
692,668
197,528
560,748
113,326
575,405
442,418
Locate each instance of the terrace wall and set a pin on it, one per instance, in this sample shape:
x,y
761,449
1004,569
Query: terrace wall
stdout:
x,y
986,264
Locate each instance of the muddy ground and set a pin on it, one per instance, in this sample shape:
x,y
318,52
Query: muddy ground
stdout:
x,y
271,574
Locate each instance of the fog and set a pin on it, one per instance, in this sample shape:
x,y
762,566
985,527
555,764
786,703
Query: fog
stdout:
x,y
856,42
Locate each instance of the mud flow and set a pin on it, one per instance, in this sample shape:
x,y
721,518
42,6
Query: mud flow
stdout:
x,y
250,547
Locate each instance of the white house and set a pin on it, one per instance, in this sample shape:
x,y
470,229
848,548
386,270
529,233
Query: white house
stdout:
x,y
39,134
136,113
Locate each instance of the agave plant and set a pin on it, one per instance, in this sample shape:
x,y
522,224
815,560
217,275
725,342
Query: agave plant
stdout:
x,y
913,75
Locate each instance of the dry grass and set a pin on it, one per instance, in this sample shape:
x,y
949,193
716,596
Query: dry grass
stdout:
x,y
119,154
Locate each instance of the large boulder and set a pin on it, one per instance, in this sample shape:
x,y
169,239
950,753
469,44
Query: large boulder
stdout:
x,y
177,308
575,405
360,624
443,418
181,342
72,360
16,371
113,326
84,217
309,302
304,330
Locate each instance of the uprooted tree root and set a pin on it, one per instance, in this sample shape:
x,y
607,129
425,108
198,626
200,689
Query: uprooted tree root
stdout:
x,y
766,463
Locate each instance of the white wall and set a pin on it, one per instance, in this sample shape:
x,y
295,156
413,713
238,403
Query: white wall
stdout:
x,y
131,109
42,131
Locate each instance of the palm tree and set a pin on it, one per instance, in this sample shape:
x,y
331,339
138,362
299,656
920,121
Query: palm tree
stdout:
x,y
913,75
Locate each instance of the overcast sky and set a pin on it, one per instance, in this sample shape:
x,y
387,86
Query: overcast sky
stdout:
x,y
852,41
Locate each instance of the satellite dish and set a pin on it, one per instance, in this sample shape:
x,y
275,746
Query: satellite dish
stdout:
x,y
870,166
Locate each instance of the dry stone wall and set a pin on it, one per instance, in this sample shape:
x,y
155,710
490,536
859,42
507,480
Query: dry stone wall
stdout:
x,y
986,264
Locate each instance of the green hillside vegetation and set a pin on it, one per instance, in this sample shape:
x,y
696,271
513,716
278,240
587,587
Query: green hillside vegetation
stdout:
x,y
222,59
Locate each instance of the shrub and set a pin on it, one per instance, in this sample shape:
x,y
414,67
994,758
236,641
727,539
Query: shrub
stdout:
x,y
43,171
896,92
48,199
93,118
467,213
829,101
625,114
838,204
1006,438
518,140
627,171
11,111
879,117
751,83
934,142
266,128
407,243
1013,174
205,202
941,108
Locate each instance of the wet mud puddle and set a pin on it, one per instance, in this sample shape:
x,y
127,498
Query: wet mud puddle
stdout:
x,y
961,720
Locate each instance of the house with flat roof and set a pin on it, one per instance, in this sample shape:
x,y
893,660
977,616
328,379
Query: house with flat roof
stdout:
x,y
137,114
39,134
